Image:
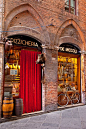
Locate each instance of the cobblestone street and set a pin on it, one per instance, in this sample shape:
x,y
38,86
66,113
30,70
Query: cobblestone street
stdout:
x,y
72,118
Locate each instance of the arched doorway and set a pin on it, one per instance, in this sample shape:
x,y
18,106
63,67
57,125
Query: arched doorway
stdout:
x,y
22,74
69,68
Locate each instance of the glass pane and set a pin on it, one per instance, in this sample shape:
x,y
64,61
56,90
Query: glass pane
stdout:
x,y
73,3
67,5
67,73
12,72
72,8
67,2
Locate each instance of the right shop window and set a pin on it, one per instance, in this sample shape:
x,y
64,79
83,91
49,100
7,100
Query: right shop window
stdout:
x,y
70,6
67,73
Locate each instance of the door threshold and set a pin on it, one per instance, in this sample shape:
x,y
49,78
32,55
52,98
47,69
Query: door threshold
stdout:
x,y
70,106
31,113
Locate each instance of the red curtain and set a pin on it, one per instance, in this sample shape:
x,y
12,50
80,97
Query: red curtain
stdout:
x,y
30,81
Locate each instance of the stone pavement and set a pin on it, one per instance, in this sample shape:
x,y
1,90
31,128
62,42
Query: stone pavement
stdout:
x,y
71,118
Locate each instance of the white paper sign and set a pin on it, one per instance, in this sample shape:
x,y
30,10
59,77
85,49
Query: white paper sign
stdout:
x,y
13,71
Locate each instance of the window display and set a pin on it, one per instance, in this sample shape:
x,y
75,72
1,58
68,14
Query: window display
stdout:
x,y
12,72
67,73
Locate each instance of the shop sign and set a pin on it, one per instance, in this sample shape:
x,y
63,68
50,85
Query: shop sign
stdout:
x,y
69,48
19,41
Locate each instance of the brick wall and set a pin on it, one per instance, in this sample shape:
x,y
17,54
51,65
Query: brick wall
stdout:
x,y
1,73
45,21
51,80
1,55
82,23
1,14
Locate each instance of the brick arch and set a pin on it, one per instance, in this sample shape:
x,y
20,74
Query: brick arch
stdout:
x,y
34,13
64,25
26,31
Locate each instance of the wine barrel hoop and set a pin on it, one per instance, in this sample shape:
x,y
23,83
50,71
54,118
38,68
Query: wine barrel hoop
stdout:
x,y
8,98
7,103
7,107
7,111
7,116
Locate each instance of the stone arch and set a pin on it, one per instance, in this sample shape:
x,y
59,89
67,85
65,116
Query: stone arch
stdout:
x,y
59,40
34,13
23,31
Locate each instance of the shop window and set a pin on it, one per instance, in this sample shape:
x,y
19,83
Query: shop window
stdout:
x,y
70,6
68,73
12,73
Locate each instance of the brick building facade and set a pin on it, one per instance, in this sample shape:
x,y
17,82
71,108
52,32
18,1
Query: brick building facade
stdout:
x,y
51,24
1,53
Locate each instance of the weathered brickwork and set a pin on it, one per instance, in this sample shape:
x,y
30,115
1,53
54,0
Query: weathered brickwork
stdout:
x,y
1,73
51,80
1,15
48,22
1,54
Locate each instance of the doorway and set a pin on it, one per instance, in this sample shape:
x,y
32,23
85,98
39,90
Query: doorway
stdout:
x,y
23,77
30,81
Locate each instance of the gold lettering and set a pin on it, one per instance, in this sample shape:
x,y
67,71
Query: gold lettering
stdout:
x,y
61,48
75,51
32,43
71,50
11,39
18,41
15,41
67,49
28,43
24,42
21,41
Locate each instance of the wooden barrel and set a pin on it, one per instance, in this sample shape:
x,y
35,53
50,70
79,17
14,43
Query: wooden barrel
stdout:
x,y
7,107
18,107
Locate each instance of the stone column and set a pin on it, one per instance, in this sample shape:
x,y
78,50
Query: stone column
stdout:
x,y
83,76
49,87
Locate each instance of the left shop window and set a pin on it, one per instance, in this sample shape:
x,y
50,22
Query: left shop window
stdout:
x,y
12,72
